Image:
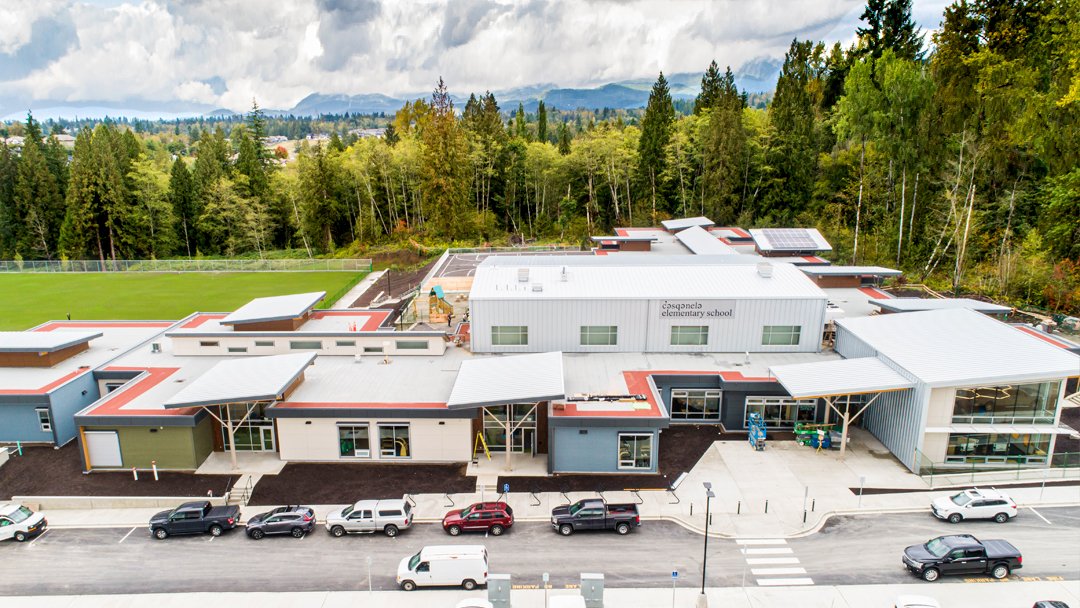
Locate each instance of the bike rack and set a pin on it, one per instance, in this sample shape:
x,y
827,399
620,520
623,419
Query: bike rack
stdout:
x,y
449,499
601,495
565,497
674,486
637,495
536,498
409,498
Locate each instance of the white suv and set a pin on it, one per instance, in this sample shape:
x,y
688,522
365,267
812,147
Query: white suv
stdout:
x,y
974,504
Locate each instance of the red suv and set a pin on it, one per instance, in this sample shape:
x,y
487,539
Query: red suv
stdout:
x,y
493,517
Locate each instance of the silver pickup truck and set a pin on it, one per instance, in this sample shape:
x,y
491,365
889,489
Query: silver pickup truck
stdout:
x,y
368,516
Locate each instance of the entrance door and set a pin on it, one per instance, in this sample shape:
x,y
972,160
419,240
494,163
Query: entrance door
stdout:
x,y
268,438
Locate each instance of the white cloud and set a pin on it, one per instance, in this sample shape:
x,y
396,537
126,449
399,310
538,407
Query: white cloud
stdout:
x,y
225,52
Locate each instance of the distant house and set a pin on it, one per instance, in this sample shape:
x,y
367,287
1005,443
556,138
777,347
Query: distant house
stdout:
x,y
15,141
363,133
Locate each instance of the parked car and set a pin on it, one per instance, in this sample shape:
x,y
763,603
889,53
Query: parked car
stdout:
x,y
387,516
915,601
594,514
20,523
493,517
198,517
1050,604
962,554
294,519
974,504
444,566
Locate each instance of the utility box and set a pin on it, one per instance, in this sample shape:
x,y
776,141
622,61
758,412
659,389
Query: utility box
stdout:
x,y
498,588
592,589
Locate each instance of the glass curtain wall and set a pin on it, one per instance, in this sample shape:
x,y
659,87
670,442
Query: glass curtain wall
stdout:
x,y
1010,403
998,448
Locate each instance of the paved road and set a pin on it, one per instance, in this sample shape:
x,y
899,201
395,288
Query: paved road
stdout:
x,y
115,560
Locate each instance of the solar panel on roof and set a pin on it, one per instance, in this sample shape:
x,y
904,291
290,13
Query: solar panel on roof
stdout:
x,y
790,238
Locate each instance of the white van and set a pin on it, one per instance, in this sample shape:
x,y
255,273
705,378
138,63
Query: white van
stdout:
x,y
20,523
445,566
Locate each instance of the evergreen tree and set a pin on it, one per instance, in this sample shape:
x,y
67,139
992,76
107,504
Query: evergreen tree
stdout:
x,y
564,138
520,128
390,135
710,88
655,134
38,206
541,122
182,198
723,149
899,32
445,181
9,230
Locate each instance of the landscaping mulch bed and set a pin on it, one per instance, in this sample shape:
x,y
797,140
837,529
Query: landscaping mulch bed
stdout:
x,y
332,483
680,449
45,471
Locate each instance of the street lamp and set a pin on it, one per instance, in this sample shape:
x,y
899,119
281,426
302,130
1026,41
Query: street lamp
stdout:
x,y
702,601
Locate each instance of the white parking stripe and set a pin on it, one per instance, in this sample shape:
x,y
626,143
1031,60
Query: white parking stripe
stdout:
x,y
775,571
1040,516
784,582
761,541
769,551
39,537
127,535
763,561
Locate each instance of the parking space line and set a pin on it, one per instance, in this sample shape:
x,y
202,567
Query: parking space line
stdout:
x,y
128,534
211,539
1032,509
39,537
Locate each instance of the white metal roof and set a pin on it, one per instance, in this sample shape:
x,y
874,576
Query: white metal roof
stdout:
x,y
842,377
43,341
508,379
845,271
701,242
961,347
625,239
686,222
243,380
789,239
916,304
617,277
274,308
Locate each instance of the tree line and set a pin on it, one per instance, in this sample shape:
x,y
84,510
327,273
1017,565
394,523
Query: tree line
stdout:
x,y
953,158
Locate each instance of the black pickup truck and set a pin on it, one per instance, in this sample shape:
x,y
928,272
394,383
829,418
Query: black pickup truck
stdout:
x,y
594,514
962,554
194,518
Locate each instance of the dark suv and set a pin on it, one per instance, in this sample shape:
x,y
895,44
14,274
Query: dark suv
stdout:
x,y
293,519
493,517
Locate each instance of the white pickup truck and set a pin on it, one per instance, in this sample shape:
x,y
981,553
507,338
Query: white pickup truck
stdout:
x,y
20,523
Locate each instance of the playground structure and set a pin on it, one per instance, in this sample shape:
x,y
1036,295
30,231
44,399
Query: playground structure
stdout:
x,y
439,310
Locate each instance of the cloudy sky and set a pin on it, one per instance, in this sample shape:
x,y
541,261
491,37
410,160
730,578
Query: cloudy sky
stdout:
x,y
223,53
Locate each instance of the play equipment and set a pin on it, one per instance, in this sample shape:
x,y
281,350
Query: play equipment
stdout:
x,y
756,430
439,310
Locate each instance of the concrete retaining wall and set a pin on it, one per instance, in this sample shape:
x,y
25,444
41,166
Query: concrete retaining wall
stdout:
x,y
46,503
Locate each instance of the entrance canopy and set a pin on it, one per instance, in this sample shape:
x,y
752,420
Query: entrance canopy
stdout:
x,y
508,379
841,377
243,380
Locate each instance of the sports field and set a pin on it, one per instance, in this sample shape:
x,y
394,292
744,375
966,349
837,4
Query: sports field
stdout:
x,y
29,299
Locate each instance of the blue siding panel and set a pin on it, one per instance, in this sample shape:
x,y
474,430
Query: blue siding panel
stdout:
x,y
596,451
69,399
19,422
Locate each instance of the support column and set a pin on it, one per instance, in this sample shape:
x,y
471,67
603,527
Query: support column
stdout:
x,y
232,436
509,434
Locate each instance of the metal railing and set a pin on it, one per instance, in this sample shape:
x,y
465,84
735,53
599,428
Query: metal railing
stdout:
x,y
187,265
530,249
1018,467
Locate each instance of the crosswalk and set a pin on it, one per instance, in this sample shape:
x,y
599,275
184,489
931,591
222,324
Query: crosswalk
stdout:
x,y
772,562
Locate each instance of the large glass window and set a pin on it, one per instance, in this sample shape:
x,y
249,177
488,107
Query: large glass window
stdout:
x,y
509,335
780,335
997,448
599,335
1025,403
689,335
635,450
781,411
394,441
695,404
353,441
524,423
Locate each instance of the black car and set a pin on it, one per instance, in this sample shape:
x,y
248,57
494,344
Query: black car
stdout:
x,y
293,519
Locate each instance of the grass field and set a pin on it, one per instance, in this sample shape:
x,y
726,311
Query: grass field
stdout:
x,y
29,299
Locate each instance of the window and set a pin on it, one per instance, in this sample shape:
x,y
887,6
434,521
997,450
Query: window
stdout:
x,y
780,335
112,386
264,343
509,335
411,344
1012,403
689,335
305,344
390,513
44,420
695,404
599,335
208,343
353,441
635,451
345,343
394,441
237,349
782,411
372,349
997,448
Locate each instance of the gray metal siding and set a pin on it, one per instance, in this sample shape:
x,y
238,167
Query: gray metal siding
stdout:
x,y
850,347
596,451
898,419
555,325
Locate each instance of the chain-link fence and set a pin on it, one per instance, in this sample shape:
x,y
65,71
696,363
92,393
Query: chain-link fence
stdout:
x,y
189,265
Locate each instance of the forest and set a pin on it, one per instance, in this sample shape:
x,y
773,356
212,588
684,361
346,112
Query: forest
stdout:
x,y
951,155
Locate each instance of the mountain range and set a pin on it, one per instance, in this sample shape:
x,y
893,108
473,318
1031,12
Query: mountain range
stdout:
x,y
756,76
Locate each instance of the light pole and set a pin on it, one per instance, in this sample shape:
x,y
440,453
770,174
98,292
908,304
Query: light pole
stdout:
x,y
702,600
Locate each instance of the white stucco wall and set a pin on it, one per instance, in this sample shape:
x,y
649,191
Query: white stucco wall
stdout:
x,y
431,440
188,346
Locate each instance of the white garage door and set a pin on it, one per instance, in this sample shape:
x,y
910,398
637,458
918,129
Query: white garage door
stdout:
x,y
104,449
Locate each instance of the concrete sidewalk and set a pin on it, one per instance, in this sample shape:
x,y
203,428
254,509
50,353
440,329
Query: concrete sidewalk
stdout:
x,y
950,595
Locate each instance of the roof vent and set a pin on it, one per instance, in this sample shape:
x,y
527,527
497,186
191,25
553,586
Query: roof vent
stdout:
x,y
562,276
523,275
155,347
764,269
537,287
